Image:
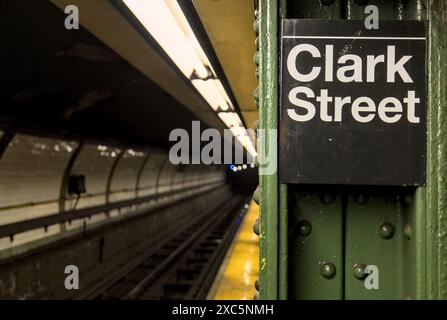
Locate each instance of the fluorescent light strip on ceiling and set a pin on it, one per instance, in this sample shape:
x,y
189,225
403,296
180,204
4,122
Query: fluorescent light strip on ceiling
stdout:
x,y
165,21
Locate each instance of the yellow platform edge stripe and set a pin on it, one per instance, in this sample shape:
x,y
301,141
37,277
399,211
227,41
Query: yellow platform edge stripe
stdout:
x,y
240,268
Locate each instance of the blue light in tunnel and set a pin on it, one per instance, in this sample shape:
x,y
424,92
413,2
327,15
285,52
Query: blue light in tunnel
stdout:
x,y
238,220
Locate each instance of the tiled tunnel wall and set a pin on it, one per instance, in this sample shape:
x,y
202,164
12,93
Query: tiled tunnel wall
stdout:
x,y
34,174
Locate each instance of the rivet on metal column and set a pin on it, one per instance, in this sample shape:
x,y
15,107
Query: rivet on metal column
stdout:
x,y
436,189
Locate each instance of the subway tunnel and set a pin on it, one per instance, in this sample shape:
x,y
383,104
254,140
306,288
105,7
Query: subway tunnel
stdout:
x,y
223,150
94,100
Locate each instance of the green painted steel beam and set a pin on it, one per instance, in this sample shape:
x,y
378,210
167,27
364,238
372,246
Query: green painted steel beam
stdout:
x,y
413,262
436,190
268,118
426,254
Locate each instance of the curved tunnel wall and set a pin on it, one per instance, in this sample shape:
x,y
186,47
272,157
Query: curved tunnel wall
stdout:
x,y
34,174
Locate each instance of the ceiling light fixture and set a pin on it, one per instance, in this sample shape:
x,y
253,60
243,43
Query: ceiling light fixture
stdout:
x,y
167,24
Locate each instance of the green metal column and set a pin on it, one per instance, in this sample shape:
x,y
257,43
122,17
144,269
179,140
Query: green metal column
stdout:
x,y
316,240
268,118
416,263
436,191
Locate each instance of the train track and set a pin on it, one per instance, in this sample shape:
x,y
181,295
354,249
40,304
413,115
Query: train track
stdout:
x,y
183,267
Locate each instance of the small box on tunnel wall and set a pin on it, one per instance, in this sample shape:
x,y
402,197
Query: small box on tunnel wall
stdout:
x,y
76,185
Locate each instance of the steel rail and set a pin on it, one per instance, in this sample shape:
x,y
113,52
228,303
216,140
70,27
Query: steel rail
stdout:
x,y
206,278
101,287
141,286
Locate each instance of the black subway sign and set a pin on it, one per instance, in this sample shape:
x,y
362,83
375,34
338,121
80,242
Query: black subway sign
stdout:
x,y
353,103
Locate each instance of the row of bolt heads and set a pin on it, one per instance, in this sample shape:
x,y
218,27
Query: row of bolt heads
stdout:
x,y
328,270
385,230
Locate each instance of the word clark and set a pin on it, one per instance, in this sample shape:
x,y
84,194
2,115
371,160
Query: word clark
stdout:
x,y
349,68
